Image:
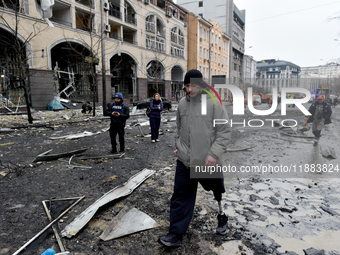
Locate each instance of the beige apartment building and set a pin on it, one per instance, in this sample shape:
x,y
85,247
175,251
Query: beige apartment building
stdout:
x,y
208,50
143,50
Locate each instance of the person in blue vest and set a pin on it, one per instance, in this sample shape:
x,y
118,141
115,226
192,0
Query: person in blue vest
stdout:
x,y
119,113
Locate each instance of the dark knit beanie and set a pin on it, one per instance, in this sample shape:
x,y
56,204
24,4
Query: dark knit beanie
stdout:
x,y
195,75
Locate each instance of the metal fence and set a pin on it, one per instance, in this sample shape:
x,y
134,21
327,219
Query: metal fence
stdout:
x,y
11,94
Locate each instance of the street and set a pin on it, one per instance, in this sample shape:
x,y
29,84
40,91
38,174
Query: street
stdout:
x,y
282,199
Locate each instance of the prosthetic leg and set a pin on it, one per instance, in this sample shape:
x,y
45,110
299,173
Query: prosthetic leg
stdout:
x,y
222,219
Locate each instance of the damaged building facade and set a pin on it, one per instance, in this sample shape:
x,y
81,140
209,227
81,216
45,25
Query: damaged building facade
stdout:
x,y
145,50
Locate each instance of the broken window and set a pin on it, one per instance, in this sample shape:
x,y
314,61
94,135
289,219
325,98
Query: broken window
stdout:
x,y
155,41
15,5
174,34
155,70
62,14
150,23
86,2
129,14
84,20
114,10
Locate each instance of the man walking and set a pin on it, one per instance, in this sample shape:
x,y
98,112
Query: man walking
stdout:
x,y
321,114
119,113
199,143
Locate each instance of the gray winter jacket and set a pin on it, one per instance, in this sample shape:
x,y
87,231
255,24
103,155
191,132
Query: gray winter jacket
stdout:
x,y
196,136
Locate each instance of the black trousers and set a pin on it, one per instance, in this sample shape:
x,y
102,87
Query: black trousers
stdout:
x,y
117,128
154,124
184,197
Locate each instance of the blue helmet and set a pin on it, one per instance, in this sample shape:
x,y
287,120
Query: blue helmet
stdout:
x,y
119,95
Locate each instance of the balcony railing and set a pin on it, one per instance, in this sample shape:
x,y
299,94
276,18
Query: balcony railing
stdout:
x,y
85,28
181,40
150,27
173,37
122,39
160,32
129,41
115,13
61,21
131,19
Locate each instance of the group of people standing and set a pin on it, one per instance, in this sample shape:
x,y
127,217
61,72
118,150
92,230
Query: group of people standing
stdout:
x,y
198,142
119,113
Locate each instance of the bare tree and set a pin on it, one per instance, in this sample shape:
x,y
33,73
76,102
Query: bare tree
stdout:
x,y
17,48
88,58
155,69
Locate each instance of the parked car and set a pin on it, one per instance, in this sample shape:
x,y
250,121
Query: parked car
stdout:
x,y
146,103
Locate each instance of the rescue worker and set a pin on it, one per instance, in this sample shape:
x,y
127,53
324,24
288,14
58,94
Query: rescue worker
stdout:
x,y
119,113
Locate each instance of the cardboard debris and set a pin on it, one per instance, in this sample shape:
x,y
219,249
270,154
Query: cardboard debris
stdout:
x,y
127,222
45,157
80,221
80,135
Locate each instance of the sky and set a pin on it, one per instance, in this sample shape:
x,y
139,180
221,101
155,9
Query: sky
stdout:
x,y
299,31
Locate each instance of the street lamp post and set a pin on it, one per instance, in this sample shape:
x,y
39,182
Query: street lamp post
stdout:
x,y
103,55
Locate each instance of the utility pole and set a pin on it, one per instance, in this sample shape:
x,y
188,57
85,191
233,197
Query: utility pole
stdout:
x,y
103,55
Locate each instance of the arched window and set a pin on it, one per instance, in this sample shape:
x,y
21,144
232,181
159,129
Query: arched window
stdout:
x,y
177,42
155,69
155,33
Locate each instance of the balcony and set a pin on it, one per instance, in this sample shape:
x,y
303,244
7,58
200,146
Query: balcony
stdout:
x,y
131,19
115,12
173,37
150,27
181,40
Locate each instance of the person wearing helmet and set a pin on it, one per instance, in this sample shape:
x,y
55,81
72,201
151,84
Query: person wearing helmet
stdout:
x,y
119,113
198,143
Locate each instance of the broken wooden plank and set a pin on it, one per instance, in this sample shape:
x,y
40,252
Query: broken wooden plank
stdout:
x,y
240,149
49,225
114,156
56,156
79,222
6,144
127,222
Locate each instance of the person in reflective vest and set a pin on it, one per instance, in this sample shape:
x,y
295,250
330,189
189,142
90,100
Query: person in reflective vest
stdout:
x,y
119,113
